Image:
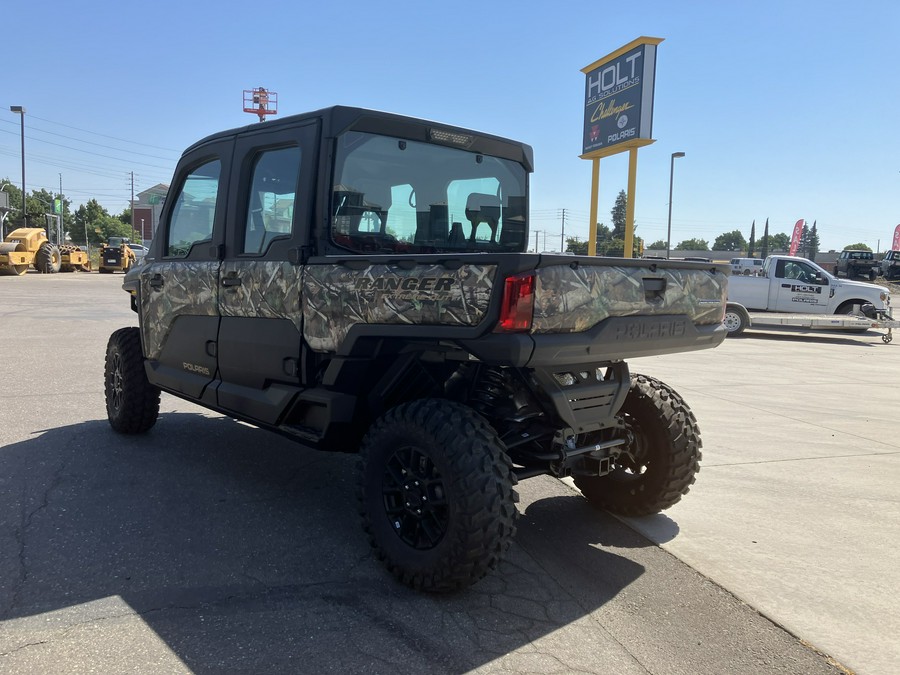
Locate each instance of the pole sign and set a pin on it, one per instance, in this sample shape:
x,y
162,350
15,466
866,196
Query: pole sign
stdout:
x,y
618,98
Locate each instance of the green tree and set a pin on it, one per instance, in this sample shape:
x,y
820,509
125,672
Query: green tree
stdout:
x,y
776,242
693,245
603,232
573,245
91,217
658,245
812,242
752,245
618,215
125,216
727,241
858,247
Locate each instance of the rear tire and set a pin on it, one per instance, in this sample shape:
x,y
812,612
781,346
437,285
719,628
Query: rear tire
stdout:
x,y
436,494
48,259
132,403
662,459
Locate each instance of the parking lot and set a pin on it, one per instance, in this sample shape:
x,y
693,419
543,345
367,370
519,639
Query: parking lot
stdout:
x,y
209,546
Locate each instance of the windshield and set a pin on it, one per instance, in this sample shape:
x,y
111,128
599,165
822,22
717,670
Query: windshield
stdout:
x,y
398,196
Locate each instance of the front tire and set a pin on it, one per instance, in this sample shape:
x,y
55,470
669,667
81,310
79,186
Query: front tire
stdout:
x,y
436,494
132,403
662,459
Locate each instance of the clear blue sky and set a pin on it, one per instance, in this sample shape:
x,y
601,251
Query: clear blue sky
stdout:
x,y
785,110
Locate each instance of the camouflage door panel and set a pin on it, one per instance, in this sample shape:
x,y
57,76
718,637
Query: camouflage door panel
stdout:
x,y
571,300
335,298
268,290
188,289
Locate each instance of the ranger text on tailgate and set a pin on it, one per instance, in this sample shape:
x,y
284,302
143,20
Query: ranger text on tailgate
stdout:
x,y
358,281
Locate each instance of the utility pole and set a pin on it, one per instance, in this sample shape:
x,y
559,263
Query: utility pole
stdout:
x,y
62,214
132,207
21,110
536,233
562,237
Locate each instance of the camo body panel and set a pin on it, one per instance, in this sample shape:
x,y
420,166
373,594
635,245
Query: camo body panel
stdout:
x,y
335,298
268,290
571,300
189,289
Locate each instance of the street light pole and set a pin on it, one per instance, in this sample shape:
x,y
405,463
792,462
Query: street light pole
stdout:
x,y
21,110
671,180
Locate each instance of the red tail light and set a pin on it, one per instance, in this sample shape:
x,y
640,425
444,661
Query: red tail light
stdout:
x,y
517,305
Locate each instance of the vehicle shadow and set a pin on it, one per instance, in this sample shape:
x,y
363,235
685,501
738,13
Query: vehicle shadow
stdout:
x,y
243,552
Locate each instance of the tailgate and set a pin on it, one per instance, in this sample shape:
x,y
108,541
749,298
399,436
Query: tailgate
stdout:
x,y
574,297
599,309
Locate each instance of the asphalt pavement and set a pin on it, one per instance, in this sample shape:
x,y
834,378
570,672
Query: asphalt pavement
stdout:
x,y
208,546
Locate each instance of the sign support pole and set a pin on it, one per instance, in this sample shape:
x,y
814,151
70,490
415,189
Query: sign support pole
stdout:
x,y
595,197
629,204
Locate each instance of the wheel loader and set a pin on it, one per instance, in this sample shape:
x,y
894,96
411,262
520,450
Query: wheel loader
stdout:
x,y
28,246
116,256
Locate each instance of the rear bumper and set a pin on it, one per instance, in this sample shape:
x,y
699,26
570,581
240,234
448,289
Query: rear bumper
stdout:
x,y
619,338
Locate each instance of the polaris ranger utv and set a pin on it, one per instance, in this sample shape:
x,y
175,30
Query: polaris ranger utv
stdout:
x,y
358,281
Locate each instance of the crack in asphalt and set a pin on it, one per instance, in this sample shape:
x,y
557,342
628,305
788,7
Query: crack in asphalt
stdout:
x,y
20,534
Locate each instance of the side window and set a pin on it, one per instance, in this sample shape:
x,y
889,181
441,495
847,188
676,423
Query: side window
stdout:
x,y
195,210
273,190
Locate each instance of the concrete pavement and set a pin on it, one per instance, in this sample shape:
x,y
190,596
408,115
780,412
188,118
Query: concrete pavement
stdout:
x,y
208,546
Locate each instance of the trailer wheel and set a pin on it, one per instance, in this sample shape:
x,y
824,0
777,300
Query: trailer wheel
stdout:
x,y
132,403
736,320
661,460
48,259
436,494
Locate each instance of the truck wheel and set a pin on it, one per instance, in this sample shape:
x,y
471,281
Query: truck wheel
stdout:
x,y
132,403
48,259
736,320
661,460
436,494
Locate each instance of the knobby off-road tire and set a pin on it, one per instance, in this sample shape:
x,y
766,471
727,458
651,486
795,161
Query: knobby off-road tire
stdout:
x,y
47,260
132,403
660,463
436,494
736,320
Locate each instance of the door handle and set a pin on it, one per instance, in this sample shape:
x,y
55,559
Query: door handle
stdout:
x,y
156,281
231,281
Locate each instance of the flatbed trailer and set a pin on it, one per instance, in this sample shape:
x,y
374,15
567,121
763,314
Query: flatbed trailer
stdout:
x,y
738,319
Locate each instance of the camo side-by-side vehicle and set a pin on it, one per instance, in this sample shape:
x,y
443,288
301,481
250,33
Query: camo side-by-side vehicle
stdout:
x,y
358,281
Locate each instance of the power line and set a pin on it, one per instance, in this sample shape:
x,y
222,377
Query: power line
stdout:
x,y
124,140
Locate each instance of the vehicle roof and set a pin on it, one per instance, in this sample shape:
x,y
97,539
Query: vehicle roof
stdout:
x,y
338,118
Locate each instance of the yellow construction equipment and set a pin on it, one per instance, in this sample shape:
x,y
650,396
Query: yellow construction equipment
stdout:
x,y
116,256
29,246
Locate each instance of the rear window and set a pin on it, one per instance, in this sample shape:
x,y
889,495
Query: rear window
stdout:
x,y
391,195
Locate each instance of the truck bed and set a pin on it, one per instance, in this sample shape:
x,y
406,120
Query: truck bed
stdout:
x,y
634,307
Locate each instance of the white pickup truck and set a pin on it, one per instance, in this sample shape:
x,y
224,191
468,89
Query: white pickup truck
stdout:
x,y
797,286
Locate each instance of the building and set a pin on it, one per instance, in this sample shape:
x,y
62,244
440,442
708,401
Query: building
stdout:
x,y
147,208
